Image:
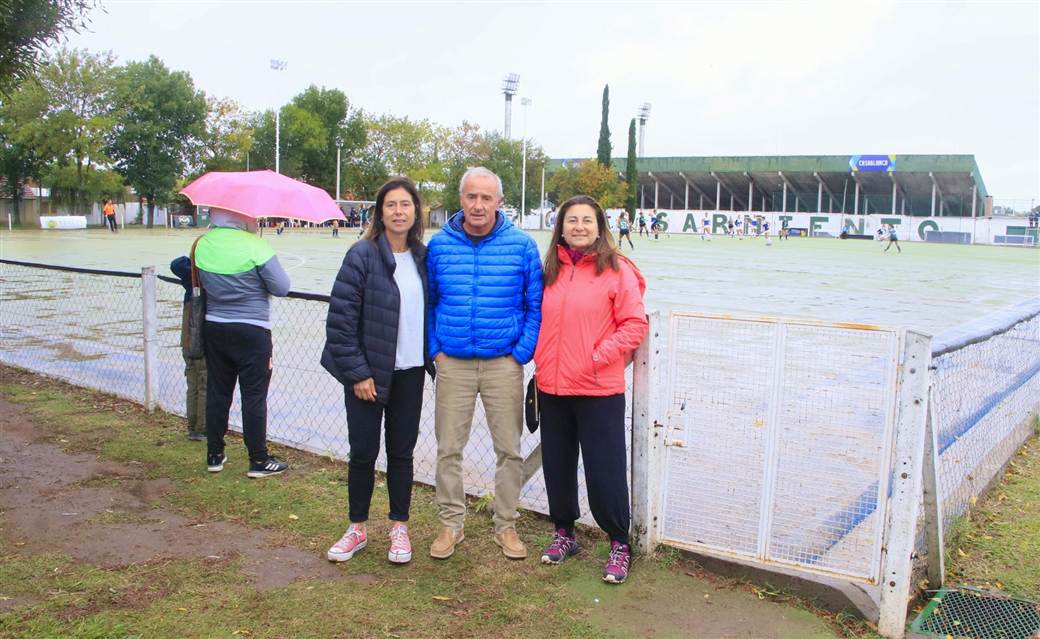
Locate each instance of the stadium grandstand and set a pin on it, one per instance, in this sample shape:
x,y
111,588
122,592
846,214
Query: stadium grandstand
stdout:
x,y
937,198
918,185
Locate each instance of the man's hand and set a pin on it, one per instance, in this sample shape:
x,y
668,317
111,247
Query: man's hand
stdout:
x,y
365,390
440,357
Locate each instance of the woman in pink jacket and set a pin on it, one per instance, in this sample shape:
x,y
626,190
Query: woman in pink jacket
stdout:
x,y
592,320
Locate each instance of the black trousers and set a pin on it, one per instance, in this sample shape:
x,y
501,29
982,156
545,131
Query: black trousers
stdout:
x,y
596,425
111,221
242,353
364,420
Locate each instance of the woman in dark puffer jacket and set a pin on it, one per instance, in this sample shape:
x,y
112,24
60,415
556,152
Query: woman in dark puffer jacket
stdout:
x,y
376,347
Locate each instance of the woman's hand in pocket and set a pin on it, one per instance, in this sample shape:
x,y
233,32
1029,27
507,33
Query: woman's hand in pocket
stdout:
x,y
365,390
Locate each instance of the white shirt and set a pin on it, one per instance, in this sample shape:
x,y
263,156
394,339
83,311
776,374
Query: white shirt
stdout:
x,y
410,317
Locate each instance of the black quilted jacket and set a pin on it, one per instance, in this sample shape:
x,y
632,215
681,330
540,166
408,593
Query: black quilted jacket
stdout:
x,y
361,328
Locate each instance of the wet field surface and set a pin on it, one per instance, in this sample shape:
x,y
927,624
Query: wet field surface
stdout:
x,y
928,287
87,328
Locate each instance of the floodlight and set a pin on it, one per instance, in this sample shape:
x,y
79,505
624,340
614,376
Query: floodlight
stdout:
x,y
511,83
644,112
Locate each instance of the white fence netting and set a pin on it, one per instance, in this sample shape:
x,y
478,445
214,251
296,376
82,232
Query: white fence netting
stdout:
x,y
985,396
85,327
778,438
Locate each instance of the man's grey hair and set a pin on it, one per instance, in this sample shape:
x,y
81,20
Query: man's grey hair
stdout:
x,y
479,171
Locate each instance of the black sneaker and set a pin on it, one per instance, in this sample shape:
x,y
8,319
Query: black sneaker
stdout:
x,y
271,466
215,462
196,437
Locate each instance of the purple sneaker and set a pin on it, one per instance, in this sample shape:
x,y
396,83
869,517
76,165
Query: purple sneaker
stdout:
x,y
561,547
616,570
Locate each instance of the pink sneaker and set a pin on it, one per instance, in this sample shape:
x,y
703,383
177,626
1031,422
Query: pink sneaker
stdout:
x,y
352,541
400,545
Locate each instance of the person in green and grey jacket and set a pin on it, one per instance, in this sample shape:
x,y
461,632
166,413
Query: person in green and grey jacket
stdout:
x,y
239,272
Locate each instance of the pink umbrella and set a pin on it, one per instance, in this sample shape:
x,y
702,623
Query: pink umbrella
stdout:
x,y
259,194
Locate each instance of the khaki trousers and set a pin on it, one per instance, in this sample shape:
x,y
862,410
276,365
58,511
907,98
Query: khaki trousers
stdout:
x,y
499,382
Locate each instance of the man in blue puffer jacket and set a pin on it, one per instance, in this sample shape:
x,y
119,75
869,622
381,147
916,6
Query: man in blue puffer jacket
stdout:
x,y
485,281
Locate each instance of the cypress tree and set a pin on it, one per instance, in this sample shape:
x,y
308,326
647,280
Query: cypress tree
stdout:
x,y
631,176
603,149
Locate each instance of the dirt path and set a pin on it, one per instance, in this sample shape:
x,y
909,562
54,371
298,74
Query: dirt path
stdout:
x,y
57,502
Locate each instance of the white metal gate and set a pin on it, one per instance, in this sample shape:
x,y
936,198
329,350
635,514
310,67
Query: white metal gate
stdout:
x,y
778,441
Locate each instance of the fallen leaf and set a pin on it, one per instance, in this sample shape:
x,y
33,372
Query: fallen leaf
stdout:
x,y
182,610
441,598
293,517
999,585
961,553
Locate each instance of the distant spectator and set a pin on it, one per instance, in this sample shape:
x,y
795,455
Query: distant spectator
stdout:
x,y
194,368
109,210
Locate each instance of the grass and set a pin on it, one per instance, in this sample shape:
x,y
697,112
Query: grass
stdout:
x,y
477,593
998,545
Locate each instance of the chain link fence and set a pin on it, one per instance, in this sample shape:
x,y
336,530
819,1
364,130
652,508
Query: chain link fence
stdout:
x,y
84,326
984,398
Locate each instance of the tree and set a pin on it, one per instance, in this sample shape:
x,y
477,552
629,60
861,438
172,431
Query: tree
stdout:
x,y
631,173
405,147
332,109
65,116
589,178
502,156
16,164
227,140
28,28
161,119
18,160
604,148
302,135
310,126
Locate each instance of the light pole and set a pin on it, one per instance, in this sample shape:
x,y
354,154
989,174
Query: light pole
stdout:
x,y
339,147
277,65
524,102
541,202
509,88
643,116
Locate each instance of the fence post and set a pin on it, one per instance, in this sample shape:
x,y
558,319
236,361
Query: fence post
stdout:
x,y
933,512
148,308
646,438
906,481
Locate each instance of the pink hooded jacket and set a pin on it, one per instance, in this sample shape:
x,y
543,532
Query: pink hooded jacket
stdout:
x,y
590,325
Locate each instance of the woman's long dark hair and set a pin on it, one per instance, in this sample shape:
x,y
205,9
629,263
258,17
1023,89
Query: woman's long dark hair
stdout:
x,y
603,247
377,228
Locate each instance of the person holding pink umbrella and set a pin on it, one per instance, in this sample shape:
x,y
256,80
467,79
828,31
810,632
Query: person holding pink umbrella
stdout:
x,y
239,272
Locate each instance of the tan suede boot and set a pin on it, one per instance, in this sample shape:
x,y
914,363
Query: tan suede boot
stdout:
x,y
444,545
511,545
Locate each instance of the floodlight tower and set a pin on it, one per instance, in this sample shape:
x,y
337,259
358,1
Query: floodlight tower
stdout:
x,y
278,65
524,102
509,88
643,115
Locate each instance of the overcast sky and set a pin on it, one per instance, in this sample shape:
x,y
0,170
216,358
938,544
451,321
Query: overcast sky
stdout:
x,y
735,78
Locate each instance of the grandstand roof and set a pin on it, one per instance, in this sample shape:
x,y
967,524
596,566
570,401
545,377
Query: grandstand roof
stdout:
x,y
827,180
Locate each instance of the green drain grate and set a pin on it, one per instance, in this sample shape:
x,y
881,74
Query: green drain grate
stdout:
x,y
964,613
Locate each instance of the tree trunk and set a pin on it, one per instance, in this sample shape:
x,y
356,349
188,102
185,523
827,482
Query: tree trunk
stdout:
x,y
151,208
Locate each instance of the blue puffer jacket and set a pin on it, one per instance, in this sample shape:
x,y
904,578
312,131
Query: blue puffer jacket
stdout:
x,y
485,299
